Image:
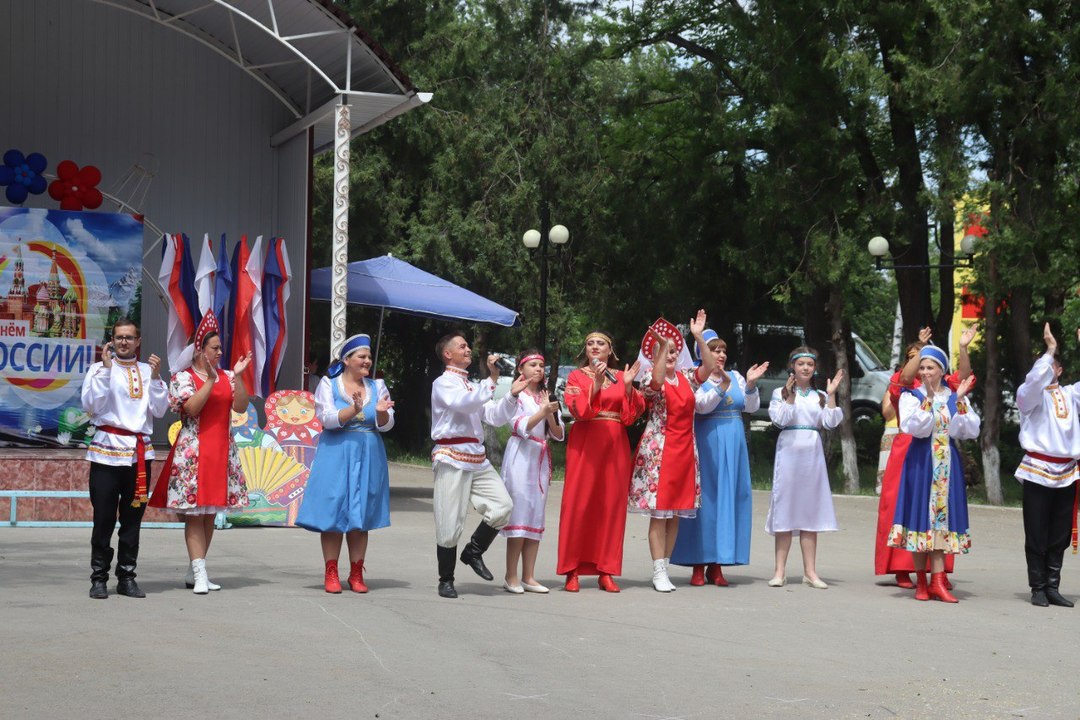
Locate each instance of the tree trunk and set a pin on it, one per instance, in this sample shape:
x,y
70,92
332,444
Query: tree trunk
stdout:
x,y
991,421
840,341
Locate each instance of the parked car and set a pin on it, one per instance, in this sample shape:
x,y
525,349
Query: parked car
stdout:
x,y
869,376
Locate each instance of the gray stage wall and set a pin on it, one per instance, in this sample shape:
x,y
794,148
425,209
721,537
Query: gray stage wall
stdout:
x,y
101,86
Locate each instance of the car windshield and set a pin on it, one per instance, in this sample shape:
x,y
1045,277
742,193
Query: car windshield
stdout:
x,y
869,360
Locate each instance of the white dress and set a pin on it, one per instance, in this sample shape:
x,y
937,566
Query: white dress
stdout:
x,y
526,470
801,497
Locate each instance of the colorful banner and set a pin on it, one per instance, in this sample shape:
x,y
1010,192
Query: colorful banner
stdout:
x,y
65,277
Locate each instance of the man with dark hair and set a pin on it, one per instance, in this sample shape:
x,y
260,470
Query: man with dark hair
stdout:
x,y
463,474
1050,436
122,396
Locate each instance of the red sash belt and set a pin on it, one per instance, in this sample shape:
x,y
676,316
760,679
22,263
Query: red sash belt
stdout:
x,y
140,456
456,441
1049,458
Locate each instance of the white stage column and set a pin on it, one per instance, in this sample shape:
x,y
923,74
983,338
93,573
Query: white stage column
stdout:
x,y
340,286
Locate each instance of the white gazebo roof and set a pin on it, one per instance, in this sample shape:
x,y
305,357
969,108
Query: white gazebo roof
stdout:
x,y
308,53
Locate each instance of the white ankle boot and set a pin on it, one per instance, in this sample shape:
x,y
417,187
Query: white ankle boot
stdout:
x,y
198,572
660,581
189,579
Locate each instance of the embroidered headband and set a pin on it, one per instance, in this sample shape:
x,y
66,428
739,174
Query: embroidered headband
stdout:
x,y
596,334
527,358
708,336
796,356
933,352
351,345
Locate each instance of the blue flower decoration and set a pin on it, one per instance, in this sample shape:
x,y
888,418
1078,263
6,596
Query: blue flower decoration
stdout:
x,y
22,175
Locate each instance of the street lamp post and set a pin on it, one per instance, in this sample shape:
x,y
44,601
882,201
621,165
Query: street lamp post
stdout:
x,y
557,236
878,247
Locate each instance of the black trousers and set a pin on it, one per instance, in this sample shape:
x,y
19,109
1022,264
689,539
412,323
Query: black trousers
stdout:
x,y
1047,529
112,488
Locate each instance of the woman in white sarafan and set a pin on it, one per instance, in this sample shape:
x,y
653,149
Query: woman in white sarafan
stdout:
x,y
526,471
801,498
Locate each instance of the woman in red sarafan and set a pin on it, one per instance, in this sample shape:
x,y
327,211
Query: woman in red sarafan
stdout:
x,y
593,515
202,474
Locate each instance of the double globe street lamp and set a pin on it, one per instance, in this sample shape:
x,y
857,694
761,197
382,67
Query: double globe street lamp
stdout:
x,y
532,239
878,247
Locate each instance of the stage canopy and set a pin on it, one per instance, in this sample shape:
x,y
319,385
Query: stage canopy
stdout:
x,y
391,284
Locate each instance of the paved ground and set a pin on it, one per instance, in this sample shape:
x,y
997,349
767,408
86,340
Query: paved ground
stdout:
x,y
272,642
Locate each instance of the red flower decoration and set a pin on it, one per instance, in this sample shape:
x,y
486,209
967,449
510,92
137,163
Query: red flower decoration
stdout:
x,y
74,188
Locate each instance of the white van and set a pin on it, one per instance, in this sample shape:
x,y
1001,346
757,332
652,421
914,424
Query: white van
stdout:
x,y
774,343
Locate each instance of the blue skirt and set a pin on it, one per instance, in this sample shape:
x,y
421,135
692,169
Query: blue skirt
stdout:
x,y
913,528
349,485
721,531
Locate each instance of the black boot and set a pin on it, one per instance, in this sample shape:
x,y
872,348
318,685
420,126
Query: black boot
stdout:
x,y
473,554
126,560
1036,567
447,559
1053,580
100,560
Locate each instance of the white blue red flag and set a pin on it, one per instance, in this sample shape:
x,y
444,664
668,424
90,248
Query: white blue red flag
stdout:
x,y
177,277
276,276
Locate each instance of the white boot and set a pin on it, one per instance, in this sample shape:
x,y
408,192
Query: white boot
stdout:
x,y
198,571
660,581
667,564
189,580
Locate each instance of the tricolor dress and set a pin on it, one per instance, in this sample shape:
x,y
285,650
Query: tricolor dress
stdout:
x,y
349,485
593,515
721,531
526,469
801,496
202,473
666,482
931,506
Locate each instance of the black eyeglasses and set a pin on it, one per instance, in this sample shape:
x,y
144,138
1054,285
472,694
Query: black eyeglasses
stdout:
x,y
125,338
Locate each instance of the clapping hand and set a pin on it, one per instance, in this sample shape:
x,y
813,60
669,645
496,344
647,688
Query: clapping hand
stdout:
x,y
965,386
384,404
629,373
358,401
241,364
754,373
155,367
834,383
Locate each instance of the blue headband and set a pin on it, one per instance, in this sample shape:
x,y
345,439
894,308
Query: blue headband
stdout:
x,y
933,352
796,356
708,336
351,345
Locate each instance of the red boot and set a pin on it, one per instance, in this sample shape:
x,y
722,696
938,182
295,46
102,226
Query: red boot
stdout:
x,y
607,583
697,578
572,582
948,583
715,575
356,577
903,580
332,583
921,591
938,591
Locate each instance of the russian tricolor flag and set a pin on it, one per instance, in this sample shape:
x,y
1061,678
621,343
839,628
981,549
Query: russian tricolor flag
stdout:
x,y
276,277
177,277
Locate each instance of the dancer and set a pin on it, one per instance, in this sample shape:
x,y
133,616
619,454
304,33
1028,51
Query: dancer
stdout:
x,y
348,492
1050,436
665,484
720,534
801,502
526,470
463,474
889,560
122,397
202,473
593,514
931,506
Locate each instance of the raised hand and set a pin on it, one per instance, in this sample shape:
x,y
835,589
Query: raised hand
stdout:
x,y
697,323
629,373
241,364
834,383
155,366
1050,340
925,334
518,385
969,334
965,386
107,354
754,372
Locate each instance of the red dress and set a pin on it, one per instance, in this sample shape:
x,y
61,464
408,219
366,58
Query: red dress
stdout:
x,y
890,560
665,481
593,516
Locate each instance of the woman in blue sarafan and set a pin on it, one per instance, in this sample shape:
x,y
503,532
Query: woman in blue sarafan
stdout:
x,y
720,534
348,491
931,516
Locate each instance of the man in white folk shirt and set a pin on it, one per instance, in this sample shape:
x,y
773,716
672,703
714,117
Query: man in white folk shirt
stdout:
x,y
463,474
1050,436
122,396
